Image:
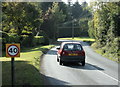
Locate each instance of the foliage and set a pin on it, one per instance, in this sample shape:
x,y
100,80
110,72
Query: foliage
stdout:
x,y
4,34
14,39
45,5
91,28
30,40
52,18
105,28
27,40
4,39
24,40
77,19
21,22
77,10
38,40
45,36
83,23
29,17
19,17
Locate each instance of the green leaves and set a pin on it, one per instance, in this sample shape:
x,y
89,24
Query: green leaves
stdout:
x,y
20,16
53,16
106,27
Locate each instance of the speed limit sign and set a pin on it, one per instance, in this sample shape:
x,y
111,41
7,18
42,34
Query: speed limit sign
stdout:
x,y
12,50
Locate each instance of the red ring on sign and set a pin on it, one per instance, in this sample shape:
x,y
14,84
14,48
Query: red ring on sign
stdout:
x,y
13,45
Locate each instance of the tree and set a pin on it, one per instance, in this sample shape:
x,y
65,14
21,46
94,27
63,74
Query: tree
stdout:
x,y
76,10
20,17
105,27
45,6
52,18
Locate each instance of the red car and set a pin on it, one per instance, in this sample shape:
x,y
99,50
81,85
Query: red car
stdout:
x,y
71,52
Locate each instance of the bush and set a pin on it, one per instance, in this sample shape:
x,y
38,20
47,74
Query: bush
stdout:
x,y
4,34
46,38
4,39
110,50
95,45
38,40
30,40
14,39
9,39
91,29
26,40
0,43
0,39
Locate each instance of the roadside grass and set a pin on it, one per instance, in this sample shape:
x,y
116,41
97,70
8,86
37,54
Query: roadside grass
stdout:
x,y
99,51
104,54
84,39
27,67
79,38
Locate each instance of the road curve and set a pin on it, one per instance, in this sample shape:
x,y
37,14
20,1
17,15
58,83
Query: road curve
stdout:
x,y
97,71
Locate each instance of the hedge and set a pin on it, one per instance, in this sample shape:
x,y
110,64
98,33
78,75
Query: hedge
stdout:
x,y
29,40
38,40
14,39
25,40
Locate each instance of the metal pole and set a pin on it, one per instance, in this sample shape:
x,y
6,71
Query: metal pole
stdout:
x,y
12,72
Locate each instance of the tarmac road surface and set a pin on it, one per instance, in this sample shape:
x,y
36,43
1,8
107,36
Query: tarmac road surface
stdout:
x,y
97,71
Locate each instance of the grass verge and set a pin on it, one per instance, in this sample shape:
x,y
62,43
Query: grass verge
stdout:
x,y
79,38
27,67
84,39
100,51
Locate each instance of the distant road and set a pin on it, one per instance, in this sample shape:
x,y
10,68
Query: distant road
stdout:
x,y
97,71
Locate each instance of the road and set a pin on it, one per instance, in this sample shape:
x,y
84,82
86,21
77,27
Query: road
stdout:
x,y
97,71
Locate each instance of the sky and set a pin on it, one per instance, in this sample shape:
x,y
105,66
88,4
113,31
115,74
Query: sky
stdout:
x,y
80,1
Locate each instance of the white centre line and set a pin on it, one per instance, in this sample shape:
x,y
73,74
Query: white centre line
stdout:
x,y
107,75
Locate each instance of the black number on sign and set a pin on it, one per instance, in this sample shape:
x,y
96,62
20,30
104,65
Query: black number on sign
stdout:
x,y
10,50
15,50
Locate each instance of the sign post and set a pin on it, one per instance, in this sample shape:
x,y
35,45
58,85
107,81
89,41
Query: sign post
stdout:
x,y
12,72
12,50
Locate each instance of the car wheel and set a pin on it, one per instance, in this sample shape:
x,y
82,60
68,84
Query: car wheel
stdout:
x,y
57,59
83,63
60,62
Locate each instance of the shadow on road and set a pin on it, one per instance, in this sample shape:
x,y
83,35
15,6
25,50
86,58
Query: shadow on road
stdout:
x,y
54,82
87,66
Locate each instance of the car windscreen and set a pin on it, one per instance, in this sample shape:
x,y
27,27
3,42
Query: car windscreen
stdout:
x,y
72,47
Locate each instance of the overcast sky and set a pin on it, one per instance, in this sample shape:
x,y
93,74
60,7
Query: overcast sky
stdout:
x,y
80,1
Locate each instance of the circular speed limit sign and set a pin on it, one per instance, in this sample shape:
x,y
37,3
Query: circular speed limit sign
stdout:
x,y
12,50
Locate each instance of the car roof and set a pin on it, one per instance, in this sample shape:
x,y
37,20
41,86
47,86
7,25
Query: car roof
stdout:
x,y
63,43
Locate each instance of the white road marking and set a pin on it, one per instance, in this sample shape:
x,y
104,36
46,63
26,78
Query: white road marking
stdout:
x,y
107,75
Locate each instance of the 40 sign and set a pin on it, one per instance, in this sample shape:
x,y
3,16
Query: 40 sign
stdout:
x,y
12,50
